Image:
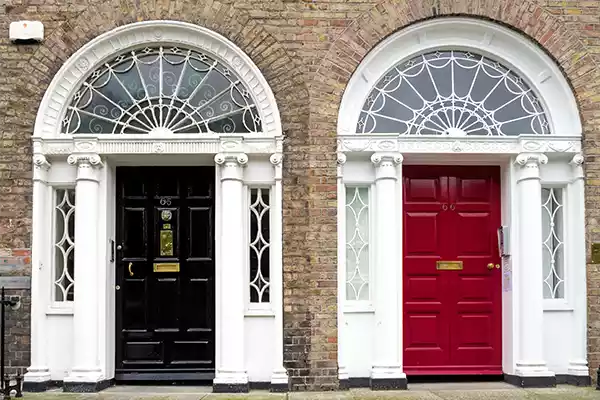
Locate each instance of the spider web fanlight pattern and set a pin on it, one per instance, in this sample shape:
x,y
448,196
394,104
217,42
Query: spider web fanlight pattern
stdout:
x,y
159,89
452,93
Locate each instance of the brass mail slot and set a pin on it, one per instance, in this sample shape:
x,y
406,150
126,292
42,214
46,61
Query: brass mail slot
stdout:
x,y
166,267
449,265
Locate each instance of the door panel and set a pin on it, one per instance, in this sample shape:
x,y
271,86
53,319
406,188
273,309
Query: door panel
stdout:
x,y
452,318
165,319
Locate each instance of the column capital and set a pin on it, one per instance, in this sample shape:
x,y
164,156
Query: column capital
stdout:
x,y
229,159
341,160
387,159
231,165
531,160
385,165
530,165
41,166
85,159
87,164
277,160
577,164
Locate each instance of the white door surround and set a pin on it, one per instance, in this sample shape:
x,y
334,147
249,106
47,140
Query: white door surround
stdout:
x,y
82,332
531,164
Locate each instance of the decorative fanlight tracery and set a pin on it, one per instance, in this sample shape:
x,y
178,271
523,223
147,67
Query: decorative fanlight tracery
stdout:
x,y
159,90
452,93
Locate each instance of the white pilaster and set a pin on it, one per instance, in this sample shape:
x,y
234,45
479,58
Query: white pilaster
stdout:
x,y
85,308
341,273
387,363
530,356
279,378
41,267
576,216
231,374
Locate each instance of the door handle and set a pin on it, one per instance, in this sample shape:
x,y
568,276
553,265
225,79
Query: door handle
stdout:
x,y
490,266
130,271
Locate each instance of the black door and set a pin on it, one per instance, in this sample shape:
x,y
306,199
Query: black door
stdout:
x,y
165,274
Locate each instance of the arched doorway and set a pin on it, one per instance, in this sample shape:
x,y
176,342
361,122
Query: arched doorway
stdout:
x,y
459,162
157,215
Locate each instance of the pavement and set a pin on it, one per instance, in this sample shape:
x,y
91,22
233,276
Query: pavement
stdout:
x,y
426,391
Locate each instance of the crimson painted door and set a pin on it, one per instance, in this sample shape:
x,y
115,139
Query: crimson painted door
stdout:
x,y
452,318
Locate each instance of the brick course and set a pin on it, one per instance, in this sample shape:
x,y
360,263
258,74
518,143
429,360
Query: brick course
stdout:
x,y
307,50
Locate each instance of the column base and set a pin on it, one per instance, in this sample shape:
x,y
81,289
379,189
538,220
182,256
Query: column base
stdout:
x,y
344,379
574,380
231,382
388,384
37,380
279,381
86,387
231,387
388,378
531,381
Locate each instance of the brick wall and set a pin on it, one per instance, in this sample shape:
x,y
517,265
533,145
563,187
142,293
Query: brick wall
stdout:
x,y
307,50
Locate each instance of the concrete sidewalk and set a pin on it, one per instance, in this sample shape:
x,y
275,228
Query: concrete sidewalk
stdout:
x,y
446,391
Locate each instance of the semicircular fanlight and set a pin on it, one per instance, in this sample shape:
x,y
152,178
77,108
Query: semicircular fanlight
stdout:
x,y
452,93
160,89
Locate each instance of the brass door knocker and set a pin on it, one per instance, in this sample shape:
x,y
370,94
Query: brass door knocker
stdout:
x,y
130,271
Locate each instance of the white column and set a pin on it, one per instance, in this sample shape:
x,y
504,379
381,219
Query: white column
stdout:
x,y
387,366
578,365
530,357
279,378
341,273
86,367
38,374
231,375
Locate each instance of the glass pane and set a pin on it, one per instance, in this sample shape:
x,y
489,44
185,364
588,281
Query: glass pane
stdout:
x,y
357,243
552,242
259,245
452,93
162,89
64,245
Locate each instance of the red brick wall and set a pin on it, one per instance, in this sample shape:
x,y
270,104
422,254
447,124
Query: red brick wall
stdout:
x,y
307,50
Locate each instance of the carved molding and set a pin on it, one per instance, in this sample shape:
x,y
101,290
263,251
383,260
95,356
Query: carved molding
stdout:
x,y
110,144
276,159
577,163
447,145
40,162
76,69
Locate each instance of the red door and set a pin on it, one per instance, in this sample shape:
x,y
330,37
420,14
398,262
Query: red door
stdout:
x,y
452,317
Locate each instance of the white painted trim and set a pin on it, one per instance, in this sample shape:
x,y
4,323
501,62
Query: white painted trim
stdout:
x,y
484,37
141,34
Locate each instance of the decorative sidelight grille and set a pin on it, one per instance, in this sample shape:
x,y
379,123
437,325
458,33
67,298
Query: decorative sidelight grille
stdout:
x,y
64,245
553,242
357,243
454,93
260,244
160,89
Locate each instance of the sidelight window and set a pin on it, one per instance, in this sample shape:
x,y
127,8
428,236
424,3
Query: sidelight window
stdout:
x,y
64,245
357,243
553,246
260,244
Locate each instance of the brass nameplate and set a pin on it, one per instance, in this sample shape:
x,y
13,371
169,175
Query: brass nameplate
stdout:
x,y
166,267
449,265
166,243
596,253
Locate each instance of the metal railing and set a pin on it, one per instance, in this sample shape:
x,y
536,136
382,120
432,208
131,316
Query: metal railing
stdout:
x,y
6,389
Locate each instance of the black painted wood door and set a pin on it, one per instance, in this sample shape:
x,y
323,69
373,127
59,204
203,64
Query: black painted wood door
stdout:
x,y
165,273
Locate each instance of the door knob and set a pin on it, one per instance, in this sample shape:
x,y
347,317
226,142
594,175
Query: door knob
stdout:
x,y
130,271
490,266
